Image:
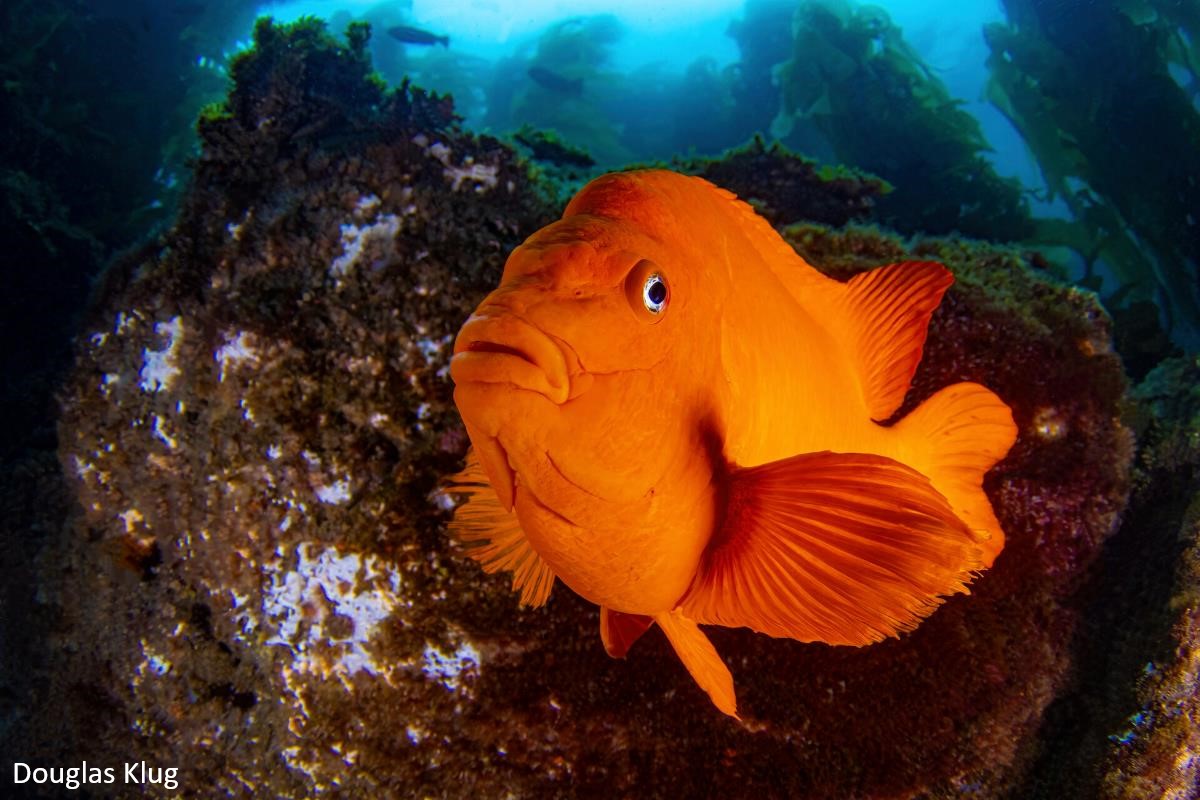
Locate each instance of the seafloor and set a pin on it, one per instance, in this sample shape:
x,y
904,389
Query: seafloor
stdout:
x,y
243,569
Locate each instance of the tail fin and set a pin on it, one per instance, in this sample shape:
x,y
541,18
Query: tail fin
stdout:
x,y
956,436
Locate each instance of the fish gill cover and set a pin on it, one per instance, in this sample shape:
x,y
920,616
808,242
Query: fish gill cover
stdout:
x,y
255,582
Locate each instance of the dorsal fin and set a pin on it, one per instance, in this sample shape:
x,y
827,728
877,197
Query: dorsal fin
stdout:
x,y
493,535
887,310
766,240
885,321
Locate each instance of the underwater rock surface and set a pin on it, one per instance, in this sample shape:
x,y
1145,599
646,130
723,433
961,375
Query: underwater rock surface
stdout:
x,y
1154,750
255,456
259,587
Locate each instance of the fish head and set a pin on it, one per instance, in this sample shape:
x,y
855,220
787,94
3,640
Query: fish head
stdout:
x,y
588,386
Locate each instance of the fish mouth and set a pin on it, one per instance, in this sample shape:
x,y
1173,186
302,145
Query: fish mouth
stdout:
x,y
505,349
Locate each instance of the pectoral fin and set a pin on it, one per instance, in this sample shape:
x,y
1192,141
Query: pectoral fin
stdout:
x,y
493,535
844,548
701,659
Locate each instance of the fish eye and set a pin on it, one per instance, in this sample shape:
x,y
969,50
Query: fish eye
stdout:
x,y
647,290
654,293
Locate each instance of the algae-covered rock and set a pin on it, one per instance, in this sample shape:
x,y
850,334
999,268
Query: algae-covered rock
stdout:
x,y
785,187
259,588
1152,746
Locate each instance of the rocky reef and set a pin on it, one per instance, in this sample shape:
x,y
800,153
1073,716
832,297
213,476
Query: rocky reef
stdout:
x,y
257,586
1152,670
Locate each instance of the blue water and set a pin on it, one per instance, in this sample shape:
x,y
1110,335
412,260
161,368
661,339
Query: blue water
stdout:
x,y
666,38
632,81
642,81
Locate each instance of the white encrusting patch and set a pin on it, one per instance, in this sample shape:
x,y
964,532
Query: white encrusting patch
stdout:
x,y
159,367
328,609
238,349
366,204
335,493
160,433
432,348
481,176
451,670
355,238
153,664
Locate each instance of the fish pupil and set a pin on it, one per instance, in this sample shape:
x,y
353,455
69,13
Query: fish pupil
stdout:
x,y
655,293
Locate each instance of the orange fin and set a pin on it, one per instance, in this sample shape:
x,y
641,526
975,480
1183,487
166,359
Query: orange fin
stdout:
x,y
844,548
619,630
494,536
701,659
967,429
888,311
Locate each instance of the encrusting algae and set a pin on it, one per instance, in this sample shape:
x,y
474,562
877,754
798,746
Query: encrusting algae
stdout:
x,y
680,418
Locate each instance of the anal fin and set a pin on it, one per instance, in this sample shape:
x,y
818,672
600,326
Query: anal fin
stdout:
x,y
701,659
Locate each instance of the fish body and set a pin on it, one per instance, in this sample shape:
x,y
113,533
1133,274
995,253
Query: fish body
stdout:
x,y
678,417
410,35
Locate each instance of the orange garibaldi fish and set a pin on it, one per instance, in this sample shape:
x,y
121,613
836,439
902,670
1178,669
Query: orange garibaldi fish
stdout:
x,y
675,414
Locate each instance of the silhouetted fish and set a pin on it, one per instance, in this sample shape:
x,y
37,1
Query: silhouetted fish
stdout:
x,y
410,35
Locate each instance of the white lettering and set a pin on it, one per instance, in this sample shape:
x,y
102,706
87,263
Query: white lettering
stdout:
x,y
129,774
70,777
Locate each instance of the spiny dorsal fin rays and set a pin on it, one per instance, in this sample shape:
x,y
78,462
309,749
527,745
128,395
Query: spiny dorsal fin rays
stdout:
x,y
887,309
887,320
493,535
844,548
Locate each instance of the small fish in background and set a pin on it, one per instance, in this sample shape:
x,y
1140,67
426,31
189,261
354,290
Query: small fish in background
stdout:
x,y
551,80
410,35
674,413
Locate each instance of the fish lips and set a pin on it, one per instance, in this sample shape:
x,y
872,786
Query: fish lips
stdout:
x,y
505,349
